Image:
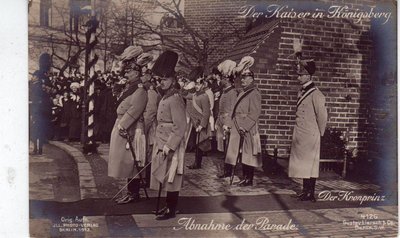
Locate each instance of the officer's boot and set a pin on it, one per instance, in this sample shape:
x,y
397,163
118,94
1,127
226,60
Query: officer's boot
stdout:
x,y
133,192
172,202
227,171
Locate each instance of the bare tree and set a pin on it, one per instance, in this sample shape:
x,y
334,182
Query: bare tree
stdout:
x,y
176,32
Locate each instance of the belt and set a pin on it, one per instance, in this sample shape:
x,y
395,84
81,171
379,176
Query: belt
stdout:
x,y
165,122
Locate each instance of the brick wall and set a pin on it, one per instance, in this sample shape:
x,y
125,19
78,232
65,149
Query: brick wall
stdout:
x,y
218,20
344,54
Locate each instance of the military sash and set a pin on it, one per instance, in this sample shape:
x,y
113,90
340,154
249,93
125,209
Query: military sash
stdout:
x,y
240,98
308,91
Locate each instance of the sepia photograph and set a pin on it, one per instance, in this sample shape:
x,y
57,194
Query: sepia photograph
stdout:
x,y
212,118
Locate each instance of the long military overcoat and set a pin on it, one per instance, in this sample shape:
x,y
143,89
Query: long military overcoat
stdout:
x,y
226,104
246,114
129,116
171,127
198,109
311,119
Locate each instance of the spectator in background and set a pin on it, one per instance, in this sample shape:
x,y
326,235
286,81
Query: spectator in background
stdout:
x,y
56,112
74,112
40,113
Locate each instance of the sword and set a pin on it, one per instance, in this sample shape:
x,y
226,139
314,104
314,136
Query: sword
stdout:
x,y
129,139
226,143
126,185
239,157
157,212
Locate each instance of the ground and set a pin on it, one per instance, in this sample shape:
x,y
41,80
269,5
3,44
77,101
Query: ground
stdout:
x,y
70,195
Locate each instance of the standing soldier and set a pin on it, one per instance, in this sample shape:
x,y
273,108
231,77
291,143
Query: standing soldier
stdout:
x,y
245,116
131,105
169,147
199,111
224,121
150,113
311,119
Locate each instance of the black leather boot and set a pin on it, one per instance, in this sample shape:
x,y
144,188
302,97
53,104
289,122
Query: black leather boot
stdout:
x,y
309,195
172,202
312,189
250,175
303,191
197,161
133,193
227,171
248,179
245,175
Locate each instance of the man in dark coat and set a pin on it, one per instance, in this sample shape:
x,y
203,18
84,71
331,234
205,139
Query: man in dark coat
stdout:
x,y
40,113
107,114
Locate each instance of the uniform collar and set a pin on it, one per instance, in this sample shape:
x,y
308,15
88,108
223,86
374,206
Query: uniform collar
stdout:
x,y
250,87
228,89
304,86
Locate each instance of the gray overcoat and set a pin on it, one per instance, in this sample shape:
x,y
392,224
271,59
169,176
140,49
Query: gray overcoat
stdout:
x,y
311,119
248,110
129,116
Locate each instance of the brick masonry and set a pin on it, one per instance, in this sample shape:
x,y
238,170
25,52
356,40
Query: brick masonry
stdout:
x,y
344,54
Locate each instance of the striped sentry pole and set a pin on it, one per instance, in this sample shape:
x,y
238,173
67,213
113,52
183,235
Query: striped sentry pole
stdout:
x,y
90,61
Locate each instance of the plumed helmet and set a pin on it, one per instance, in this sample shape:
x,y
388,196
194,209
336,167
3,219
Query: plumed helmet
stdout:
x,y
226,67
305,67
247,72
244,64
144,59
130,53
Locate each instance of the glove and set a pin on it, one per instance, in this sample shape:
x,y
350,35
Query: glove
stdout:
x,y
166,150
122,131
199,128
242,131
226,128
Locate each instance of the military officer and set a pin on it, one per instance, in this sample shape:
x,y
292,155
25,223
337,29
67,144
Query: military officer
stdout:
x,y
131,105
311,119
169,145
224,121
245,114
199,112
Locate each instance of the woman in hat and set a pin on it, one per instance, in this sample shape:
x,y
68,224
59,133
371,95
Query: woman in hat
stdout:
x,y
74,112
131,105
169,144
245,114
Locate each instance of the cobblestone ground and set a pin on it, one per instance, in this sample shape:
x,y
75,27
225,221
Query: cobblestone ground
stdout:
x,y
378,221
204,182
